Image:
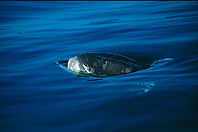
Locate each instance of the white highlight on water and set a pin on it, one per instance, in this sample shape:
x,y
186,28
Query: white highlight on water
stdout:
x,y
162,60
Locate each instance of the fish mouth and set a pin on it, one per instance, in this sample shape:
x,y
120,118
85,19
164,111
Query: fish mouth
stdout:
x,y
64,62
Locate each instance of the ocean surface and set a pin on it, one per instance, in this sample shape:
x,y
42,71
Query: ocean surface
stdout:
x,y
38,96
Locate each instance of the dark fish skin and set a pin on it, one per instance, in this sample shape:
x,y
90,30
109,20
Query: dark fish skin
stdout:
x,y
114,64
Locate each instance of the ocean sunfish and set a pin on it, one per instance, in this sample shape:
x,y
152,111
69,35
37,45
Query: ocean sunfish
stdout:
x,y
101,65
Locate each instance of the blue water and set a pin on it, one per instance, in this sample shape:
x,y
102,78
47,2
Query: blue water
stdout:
x,y
38,96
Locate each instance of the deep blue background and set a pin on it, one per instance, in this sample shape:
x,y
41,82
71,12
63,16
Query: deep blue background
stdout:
x,y
36,95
